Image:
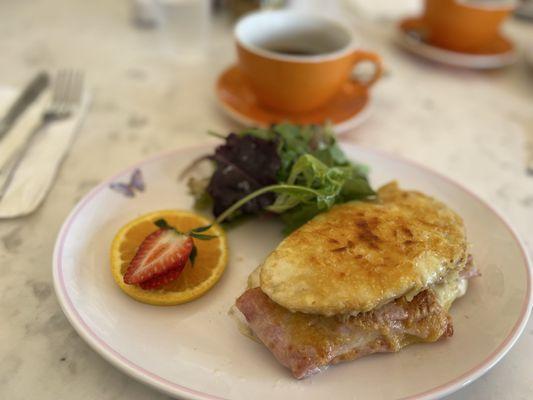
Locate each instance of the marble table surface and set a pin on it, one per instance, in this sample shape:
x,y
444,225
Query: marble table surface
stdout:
x,y
472,126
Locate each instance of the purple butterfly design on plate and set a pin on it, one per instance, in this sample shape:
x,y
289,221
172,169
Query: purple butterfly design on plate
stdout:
x,y
128,189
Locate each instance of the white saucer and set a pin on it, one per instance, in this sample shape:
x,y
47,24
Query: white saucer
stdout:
x,y
412,41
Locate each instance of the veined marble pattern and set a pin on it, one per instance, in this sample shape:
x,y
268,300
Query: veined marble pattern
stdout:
x,y
472,126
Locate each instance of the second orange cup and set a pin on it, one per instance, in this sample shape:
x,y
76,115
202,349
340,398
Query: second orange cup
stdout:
x,y
464,26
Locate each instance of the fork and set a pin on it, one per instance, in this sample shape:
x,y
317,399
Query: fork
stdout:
x,y
66,97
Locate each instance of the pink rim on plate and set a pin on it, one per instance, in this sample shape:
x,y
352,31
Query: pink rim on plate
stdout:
x,y
160,383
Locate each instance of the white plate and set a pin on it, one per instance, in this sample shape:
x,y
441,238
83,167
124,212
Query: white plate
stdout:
x,y
453,58
195,350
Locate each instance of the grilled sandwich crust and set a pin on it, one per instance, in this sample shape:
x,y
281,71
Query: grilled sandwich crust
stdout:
x,y
359,256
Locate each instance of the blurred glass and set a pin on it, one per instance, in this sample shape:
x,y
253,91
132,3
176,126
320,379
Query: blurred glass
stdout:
x,y
144,14
383,10
184,27
238,8
525,10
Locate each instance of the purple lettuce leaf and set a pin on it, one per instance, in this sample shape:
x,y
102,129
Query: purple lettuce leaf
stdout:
x,y
243,165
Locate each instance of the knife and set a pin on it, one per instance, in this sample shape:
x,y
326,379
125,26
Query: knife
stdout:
x,y
28,95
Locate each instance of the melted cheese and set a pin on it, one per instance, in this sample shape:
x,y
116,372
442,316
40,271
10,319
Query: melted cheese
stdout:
x,y
242,324
450,290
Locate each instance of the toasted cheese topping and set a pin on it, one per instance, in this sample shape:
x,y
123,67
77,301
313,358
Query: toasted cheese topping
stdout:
x,y
359,256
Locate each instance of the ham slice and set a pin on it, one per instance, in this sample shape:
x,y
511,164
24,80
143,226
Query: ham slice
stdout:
x,y
307,344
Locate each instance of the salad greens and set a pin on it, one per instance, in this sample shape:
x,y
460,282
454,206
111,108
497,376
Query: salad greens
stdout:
x,y
291,170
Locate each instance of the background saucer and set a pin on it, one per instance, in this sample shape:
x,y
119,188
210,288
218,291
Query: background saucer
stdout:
x,y
499,54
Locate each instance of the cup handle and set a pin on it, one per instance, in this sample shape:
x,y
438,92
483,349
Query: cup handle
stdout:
x,y
367,56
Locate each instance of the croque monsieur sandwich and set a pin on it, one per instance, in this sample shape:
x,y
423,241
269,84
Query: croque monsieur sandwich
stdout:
x,y
362,278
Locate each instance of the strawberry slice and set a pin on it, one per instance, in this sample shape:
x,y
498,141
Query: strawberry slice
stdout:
x,y
160,280
163,251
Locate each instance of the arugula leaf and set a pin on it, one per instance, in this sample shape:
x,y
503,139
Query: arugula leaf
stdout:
x,y
356,188
331,186
260,133
315,140
297,216
309,172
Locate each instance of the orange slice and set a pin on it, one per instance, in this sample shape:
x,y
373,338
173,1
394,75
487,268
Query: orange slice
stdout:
x,y
194,281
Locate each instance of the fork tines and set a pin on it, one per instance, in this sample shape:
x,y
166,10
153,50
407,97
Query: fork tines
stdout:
x,y
67,90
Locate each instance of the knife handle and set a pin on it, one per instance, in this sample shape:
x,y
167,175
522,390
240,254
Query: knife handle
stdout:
x,y
38,83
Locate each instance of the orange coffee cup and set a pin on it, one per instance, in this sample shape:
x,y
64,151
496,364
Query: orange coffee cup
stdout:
x,y
464,25
295,61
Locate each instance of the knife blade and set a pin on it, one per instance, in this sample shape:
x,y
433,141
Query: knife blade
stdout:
x,y
28,95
